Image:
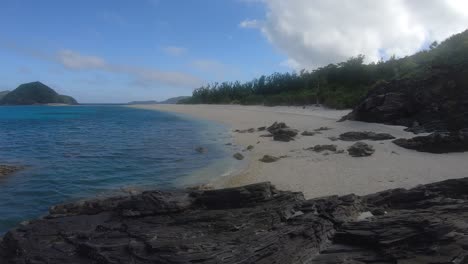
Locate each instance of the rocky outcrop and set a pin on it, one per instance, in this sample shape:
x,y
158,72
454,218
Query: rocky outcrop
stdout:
x,y
251,224
269,159
438,102
281,132
361,149
8,169
437,142
366,135
320,148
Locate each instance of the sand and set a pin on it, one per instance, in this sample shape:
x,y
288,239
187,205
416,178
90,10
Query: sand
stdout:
x,y
316,174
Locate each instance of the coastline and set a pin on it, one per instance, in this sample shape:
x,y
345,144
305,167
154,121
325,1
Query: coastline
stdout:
x,y
316,174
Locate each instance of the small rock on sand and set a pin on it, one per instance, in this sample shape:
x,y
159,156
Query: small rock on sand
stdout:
x,y
269,159
366,135
361,149
309,133
320,148
238,156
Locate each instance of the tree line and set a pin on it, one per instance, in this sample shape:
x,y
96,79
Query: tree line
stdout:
x,y
339,85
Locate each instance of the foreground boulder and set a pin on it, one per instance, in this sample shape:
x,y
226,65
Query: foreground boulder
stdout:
x,y
436,142
439,102
366,135
251,224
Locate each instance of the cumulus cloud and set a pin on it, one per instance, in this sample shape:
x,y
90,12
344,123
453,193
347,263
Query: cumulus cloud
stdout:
x,y
315,33
175,51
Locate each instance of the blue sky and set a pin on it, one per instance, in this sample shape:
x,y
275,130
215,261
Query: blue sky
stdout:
x,y
123,50
200,39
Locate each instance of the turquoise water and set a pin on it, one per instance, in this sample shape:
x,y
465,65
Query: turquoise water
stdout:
x,y
75,152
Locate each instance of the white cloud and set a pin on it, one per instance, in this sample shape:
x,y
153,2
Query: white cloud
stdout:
x,y
315,33
142,75
250,23
175,51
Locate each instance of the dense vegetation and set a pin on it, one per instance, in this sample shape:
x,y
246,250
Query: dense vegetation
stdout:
x,y
336,85
35,93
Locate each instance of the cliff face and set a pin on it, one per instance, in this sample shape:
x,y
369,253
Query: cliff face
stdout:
x,y
35,93
438,102
251,224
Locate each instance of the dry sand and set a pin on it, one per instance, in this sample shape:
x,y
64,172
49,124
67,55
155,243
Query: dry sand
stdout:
x,y
316,174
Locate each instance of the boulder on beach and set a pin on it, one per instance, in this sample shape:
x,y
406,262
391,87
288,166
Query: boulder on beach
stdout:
x,y
361,149
366,135
281,132
436,142
250,224
309,133
238,156
269,159
320,148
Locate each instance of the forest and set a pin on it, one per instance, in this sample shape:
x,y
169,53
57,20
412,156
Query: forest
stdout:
x,y
339,85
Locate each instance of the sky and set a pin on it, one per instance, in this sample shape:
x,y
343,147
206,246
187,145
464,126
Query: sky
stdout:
x,y
115,51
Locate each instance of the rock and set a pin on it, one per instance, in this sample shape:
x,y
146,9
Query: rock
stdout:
x,y
333,138
250,147
250,224
201,150
436,142
263,128
238,156
250,130
322,129
9,169
437,103
282,137
309,133
269,159
276,126
266,135
360,149
320,148
366,135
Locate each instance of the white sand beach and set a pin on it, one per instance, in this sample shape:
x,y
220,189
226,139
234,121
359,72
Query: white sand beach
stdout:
x,y
316,174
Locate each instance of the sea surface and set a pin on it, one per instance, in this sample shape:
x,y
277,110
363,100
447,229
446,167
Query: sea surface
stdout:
x,y
76,152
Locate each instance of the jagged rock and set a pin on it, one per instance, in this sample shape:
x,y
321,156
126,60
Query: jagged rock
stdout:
x,y
361,149
320,148
281,132
251,224
436,142
269,159
309,133
366,135
9,169
238,156
263,128
250,147
201,150
434,104
276,126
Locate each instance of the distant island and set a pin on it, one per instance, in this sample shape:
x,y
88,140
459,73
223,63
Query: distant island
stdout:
x,y
173,100
34,93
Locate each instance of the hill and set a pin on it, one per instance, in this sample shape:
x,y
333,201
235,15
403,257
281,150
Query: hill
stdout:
x,y
174,100
3,93
341,85
35,93
143,102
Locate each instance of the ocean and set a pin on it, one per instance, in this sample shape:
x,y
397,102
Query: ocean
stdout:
x,y
76,152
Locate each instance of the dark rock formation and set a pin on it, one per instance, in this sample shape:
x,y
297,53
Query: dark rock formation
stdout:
x,y
320,148
309,133
439,102
238,156
250,130
269,159
8,169
361,149
251,224
366,135
281,132
322,129
263,128
35,93
437,142
250,148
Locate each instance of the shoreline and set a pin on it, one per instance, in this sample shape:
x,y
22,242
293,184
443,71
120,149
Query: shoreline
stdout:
x,y
316,174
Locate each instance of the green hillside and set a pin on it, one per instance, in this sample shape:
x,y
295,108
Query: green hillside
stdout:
x,y
339,85
35,93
